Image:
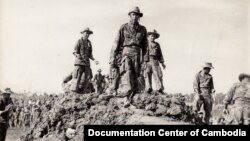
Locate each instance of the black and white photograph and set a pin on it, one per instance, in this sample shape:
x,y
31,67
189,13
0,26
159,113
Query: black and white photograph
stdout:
x,y
65,64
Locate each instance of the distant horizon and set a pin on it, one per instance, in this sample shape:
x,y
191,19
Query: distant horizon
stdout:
x,y
37,39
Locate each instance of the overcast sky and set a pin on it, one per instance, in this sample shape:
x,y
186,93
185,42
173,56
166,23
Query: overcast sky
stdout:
x,y
37,38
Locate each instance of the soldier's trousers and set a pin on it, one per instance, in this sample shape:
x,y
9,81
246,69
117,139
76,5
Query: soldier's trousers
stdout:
x,y
153,68
241,112
99,88
81,79
129,73
3,131
114,76
207,102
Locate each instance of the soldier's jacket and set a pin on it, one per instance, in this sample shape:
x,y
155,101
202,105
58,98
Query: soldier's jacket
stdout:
x,y
203,81
154,50
129,37
4,117
239,91
84,49
99,78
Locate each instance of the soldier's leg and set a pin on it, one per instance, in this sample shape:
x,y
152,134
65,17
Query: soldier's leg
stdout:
x,y
3,132
82,81
114,73
157,74
208,104
76,79
126,82
237,113
148,78
197,103
98,89
246,116
88,77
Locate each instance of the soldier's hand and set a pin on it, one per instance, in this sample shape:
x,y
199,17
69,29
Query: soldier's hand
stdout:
x,y
1,112
225,111
164,66
213,90
97,62
9,107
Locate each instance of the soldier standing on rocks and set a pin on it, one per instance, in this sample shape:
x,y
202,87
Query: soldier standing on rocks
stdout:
x,y
152,59
239,94
82,74
204,87
6,106
99,81
126,55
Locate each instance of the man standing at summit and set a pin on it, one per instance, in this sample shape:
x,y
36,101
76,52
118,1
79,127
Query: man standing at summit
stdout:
x,y
127,55
82,74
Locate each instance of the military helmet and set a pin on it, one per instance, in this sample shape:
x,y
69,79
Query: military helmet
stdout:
x,y
135,10
87,30
155,33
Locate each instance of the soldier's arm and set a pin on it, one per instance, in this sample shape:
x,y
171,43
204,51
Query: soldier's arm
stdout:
x,y
91,52
212,85
116,45
161,58
196,84
144,45
229,96
77,49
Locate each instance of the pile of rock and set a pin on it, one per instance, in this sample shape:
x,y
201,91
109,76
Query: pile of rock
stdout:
x,y
66,120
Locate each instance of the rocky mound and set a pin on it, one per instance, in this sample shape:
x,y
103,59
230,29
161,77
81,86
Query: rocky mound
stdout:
x,y
66,119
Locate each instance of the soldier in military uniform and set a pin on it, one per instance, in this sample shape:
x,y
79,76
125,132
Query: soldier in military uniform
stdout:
x,y
126,55
99,81
239,95
82,74
204,87
152,59
6,106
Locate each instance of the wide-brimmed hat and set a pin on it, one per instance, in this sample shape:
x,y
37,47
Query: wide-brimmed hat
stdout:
x,y
87,30
7,91
135,10
243,75
208,65
155,33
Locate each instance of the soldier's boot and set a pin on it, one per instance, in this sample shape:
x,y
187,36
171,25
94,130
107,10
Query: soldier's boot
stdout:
x,y
160,91
149,90
126,103
129,99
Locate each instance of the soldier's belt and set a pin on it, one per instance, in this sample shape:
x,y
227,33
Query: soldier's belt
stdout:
x,y
132,46
153,57
205,90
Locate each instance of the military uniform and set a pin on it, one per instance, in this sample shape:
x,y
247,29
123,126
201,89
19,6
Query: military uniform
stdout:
x,y
99,80
239,95
82,73
203,85
4,117
129,46
153,58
